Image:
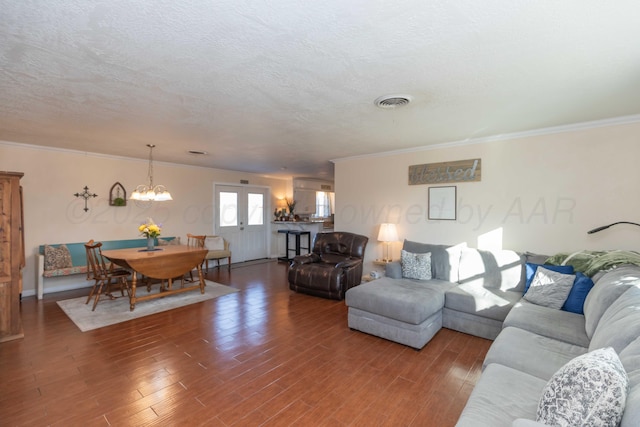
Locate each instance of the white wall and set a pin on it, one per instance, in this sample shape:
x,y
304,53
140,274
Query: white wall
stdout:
x,y
539,193
53,214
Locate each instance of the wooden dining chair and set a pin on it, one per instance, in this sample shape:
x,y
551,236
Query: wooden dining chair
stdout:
x,y
195,241
103,274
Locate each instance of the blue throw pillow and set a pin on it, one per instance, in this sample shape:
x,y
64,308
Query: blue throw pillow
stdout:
x,y
531,271
581,287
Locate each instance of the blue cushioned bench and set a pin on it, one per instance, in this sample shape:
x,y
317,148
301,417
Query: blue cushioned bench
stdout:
x,y
79,258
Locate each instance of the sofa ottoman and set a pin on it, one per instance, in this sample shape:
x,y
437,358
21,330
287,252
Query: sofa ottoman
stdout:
x,y
406,311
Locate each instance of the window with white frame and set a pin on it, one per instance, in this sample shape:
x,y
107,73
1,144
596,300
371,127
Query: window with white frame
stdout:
x,y
324,204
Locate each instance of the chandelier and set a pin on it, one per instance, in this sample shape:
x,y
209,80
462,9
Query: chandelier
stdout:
x,y
149,192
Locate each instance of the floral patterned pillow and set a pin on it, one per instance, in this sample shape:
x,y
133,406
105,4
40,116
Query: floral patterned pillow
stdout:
x,y
57,258
590,390
416,266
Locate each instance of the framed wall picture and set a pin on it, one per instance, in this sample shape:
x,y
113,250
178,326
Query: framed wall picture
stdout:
x,y
442,203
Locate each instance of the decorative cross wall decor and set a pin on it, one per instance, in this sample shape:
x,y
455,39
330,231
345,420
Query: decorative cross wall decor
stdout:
x,y
86,196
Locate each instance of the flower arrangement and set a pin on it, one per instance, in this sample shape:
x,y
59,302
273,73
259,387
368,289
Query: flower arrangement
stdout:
x,y
150,229
291,204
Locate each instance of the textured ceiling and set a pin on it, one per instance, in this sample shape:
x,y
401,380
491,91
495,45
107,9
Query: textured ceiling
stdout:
x,y
282,87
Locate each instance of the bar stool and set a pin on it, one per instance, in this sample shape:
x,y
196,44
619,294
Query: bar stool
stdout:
x,y
285,258
298,247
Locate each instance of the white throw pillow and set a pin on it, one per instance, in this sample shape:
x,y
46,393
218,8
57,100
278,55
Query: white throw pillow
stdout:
x,y
214,243
549,288
416,266
590,390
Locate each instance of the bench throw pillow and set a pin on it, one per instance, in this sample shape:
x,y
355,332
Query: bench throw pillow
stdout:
x,y
214,243
549,288
57,258
590,390
415,266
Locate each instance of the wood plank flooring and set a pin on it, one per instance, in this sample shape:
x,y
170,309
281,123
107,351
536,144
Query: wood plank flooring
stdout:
x,y
264,356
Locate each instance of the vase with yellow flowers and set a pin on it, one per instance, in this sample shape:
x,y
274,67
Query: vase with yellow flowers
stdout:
x,y
150,230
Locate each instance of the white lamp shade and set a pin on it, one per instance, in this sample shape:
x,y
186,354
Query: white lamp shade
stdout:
x,y
388,233
164,196
146,193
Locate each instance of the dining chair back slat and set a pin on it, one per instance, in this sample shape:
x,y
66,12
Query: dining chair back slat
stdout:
x,y
195,241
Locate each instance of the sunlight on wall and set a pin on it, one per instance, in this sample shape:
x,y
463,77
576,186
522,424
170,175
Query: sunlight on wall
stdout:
x,y
491,240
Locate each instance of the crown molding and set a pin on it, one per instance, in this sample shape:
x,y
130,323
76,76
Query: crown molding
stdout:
x,y
26,146
616,121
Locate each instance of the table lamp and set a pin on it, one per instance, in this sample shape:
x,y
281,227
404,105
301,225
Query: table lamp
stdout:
x,y
386,235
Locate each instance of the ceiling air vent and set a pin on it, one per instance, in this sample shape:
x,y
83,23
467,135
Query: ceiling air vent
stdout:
x,y
392,101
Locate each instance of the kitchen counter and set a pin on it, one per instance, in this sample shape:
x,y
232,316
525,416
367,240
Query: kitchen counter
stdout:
x,y
297,222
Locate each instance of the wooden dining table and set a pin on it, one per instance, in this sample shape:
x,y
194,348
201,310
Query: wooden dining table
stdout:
x,y
165,263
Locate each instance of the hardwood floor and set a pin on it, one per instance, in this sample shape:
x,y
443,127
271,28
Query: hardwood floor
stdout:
x,y
262,356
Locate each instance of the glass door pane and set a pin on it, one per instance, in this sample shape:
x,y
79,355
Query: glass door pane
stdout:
x,y
228,209
255,209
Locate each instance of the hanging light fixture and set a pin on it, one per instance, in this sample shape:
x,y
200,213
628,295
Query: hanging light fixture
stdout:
x,y
150,192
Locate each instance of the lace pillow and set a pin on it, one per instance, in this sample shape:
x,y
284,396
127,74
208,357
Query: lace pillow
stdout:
x,y
57,258
549,288
416,266
590,390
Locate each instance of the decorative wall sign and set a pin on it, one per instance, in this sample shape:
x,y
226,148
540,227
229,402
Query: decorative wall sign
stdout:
x,y
117,195
86,196
442,203
442,173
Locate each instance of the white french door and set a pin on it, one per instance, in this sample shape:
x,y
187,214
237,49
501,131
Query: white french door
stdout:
x,y
241,219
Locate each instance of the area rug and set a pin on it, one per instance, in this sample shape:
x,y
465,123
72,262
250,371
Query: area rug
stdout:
x,y
109,312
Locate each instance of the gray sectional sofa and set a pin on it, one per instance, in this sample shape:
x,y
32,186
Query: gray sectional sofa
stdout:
x,y
471,291
481,293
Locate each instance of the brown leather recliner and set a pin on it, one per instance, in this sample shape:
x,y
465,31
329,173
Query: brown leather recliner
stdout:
x,y
333,266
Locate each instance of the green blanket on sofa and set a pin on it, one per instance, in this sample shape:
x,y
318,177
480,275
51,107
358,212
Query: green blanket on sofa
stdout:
x,y
590,262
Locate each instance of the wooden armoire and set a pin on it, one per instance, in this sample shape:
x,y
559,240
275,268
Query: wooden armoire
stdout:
x,y
12,255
